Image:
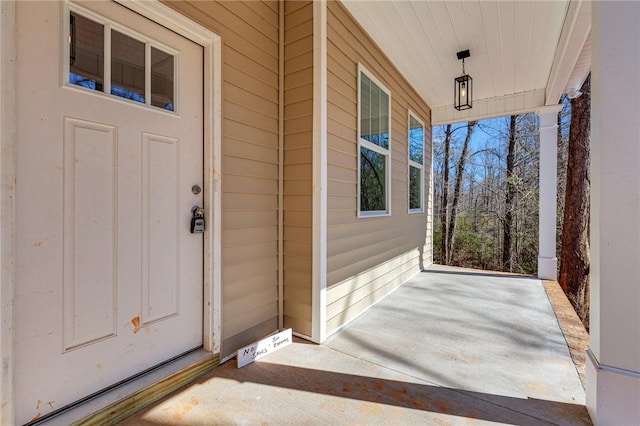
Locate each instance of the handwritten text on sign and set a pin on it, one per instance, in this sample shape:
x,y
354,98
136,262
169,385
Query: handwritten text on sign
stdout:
x,y
263,347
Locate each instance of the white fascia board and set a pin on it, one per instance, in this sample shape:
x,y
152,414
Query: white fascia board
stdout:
x,y
518,103
575,32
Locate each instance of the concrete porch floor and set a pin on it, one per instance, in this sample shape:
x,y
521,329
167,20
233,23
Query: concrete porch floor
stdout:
x,y
450,346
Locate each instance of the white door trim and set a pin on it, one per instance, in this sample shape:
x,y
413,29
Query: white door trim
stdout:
x,y
7,204
212,46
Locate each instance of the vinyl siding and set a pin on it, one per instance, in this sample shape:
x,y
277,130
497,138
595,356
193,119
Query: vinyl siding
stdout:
x,y
368,257
249,32
298,164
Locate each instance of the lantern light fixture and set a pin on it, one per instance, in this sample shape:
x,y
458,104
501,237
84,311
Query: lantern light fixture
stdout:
x,y
463,86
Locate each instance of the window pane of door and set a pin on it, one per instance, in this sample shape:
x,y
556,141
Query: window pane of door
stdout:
x,y
162,79
86,52
127,67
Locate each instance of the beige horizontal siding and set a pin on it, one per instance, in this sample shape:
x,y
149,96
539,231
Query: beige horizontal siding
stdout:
x,y
298,164
368,257
249,32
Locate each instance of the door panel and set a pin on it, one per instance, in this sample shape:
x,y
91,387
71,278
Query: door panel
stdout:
x,y
90,239
160,211
109,278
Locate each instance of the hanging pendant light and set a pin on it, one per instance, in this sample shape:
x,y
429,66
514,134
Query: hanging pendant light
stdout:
x,y
463,86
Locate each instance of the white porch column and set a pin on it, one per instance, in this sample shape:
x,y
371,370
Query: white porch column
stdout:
x,y
547,260
613,361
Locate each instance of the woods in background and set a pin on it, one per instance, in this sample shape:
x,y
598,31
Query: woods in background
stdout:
x,y
491,220
486,186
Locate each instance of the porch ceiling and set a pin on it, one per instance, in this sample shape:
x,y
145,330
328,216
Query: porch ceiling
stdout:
x,y
524,54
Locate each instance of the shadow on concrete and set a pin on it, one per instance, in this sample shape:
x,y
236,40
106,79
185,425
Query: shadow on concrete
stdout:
x,y
439,350
414,396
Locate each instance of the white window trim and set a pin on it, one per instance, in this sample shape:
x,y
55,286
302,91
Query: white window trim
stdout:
x,y
373,147
411,163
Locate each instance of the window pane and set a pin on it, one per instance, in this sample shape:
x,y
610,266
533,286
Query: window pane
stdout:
x,y
86,52
416,140
162,79
365,107
127,67
383,137
415,187
372,180
374,113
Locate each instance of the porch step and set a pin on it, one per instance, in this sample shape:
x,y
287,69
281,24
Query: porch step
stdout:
x,y
116,404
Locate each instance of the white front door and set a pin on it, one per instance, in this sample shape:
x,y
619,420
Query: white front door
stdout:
x,y
109,164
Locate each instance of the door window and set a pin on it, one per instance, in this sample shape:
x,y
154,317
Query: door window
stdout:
x,y
108,59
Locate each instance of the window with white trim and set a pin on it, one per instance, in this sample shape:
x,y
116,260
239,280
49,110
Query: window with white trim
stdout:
x,y
415,154
374,151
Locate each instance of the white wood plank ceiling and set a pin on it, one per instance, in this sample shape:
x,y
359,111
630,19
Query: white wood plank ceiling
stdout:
x,y
523,53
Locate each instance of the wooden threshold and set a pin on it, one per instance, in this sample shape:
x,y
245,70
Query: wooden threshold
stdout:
x,y
123,401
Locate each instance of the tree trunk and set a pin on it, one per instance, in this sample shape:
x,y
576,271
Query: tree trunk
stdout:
x,y
574,257
456,190
509,198
445,198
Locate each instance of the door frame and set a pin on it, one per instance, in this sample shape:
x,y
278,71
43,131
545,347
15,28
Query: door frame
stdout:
x,y
212,121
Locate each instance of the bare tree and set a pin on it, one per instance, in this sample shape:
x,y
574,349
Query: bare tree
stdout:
x,y
574,257
509,197
444,243
456,191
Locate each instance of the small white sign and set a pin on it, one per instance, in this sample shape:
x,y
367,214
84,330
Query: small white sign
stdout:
x,y
264,347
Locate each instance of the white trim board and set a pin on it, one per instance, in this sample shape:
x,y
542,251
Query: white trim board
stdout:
x,y
7,203
281,165
319,268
